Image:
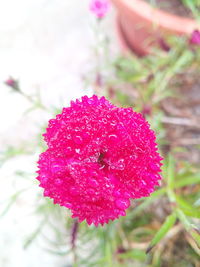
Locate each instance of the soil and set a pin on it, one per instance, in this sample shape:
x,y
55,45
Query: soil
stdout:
x,y
172,6
183,113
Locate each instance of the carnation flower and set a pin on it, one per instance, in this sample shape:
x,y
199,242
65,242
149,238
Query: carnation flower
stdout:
x,y
99,157
195,38
99,7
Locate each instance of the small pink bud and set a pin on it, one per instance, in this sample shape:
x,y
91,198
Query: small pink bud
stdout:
x,y
12,83
99,8
195,38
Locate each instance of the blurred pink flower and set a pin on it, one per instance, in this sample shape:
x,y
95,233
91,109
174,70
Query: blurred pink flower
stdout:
x,y
195,37
10,82
13,83
99,7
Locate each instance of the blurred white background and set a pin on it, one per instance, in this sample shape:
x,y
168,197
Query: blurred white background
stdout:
x,y
46,45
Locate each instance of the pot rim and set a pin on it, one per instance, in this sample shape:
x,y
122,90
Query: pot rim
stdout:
x,y
155,16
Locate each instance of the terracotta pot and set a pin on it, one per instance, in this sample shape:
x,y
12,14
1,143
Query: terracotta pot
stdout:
x,y
141,26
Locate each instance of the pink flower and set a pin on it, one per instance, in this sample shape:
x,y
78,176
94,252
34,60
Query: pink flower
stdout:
x,y
99,7
195,37
99,157
11,82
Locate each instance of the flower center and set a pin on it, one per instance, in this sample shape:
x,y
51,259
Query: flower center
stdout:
x,y
101,160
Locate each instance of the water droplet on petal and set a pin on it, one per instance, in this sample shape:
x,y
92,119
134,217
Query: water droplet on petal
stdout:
x,y
121,165
117,193
55,168
112,138
154,167
93,183
68,136
122,213
77,150
91,191
122,203
68,150
68,205
90,101
112,167
127,195
78,139
43,179
104,120
58,181
46,193
143,182
74,191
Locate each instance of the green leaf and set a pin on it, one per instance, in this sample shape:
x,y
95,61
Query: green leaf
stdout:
x,y
192,212
187,224
170,172
196,237
191,229
188,181
134,254
193,6
167,225
188,209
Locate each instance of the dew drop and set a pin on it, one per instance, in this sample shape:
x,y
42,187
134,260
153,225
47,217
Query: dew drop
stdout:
x,y
77,129
154,167
117,193
122,213
58,181
46,193
90,101
68,205
122,203
68,136
143,182
91,191
78,139
127,195
55,168
77,150
93,183
121,165
68,150
107,185
43,179
74,191
113,138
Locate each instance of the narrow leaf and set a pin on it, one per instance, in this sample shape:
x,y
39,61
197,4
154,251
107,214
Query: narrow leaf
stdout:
x,y
188,181
167,225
